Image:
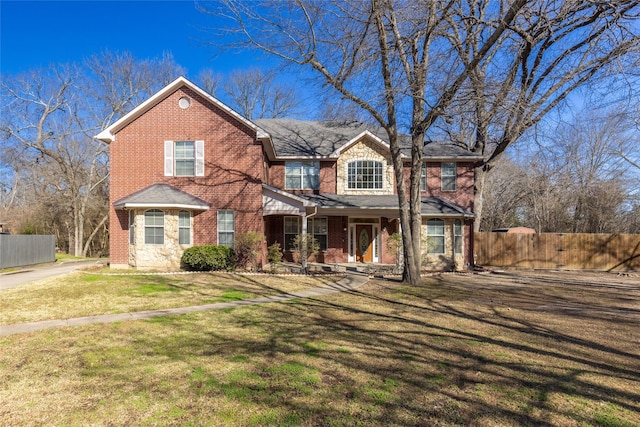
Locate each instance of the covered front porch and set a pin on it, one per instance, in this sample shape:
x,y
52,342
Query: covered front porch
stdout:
x,y
359,229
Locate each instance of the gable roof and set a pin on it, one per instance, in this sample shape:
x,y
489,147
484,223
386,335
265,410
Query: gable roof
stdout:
x,y
297,139
108,134
161,196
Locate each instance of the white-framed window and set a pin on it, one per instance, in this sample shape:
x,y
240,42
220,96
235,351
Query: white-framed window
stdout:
x,y
184,158
457,236
292,227
132,227
154,227
435,236
448,176
423,177
364,174
184,228
226,228
302,175
317,227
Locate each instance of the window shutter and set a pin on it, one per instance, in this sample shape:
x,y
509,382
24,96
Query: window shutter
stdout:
x,y
168,158
199,158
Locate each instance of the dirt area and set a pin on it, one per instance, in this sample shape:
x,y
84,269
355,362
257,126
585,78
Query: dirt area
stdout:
x,y
599,294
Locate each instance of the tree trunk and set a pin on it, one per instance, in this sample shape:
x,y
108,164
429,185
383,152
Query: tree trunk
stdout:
x,y
480,176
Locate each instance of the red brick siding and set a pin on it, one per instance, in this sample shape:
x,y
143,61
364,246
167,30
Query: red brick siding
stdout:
x,y
233,166
464,194
327,177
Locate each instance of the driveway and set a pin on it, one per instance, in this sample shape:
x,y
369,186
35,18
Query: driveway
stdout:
x,y
17,278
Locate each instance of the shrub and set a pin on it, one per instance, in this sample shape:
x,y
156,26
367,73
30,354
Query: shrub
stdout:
x,y
207,258
247,248
313,247
274,254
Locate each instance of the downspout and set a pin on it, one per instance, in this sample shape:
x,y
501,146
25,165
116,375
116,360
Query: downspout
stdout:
x,y
303,254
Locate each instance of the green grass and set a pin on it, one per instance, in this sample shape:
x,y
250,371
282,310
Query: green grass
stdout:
x,y
92,293
371,357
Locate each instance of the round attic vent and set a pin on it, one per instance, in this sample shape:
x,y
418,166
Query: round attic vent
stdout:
x,y
184,102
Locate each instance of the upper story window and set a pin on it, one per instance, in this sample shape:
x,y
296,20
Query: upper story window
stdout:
x,y
423,177
184,158
154,227
302,175
364,174
448,176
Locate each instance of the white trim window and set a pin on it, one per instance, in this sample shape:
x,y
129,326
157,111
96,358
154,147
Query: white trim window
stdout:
x,y
364,174
319,230
435,236
292,227
184,228
184,158
317,227
423,177
457,236
154,227
226,228
132,227
448,176
302,175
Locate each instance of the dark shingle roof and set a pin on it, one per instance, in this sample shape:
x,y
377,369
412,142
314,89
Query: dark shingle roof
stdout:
x,y
297,138
161,195
431,206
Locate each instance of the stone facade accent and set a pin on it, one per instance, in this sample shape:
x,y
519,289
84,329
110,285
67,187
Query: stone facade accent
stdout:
x,y
448,260
165,256
365,149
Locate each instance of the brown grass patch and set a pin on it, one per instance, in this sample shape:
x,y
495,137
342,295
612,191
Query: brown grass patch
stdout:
x,y
524,348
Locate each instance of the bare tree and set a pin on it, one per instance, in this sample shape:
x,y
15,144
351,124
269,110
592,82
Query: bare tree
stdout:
x,y
408,64
48,123
505,196
209,81
256,94
381,56
553,49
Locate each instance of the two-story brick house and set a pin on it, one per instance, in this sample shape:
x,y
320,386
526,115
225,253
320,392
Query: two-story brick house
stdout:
x,y
187,170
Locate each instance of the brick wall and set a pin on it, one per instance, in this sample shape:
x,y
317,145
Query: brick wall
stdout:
x,y
464,193
233,166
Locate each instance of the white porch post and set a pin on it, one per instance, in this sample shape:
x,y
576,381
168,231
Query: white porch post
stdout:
x,y
303,249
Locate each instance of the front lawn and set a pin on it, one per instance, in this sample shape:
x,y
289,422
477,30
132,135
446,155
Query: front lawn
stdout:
x,y
480,350
91,293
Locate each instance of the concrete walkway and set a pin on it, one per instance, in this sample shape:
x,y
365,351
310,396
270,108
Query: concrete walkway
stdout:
x,y
27,275
350,282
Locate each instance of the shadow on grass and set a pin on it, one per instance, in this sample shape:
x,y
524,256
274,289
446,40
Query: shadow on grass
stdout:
x,y
395,355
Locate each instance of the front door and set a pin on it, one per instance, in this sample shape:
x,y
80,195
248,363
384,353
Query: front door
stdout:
x,y
364,248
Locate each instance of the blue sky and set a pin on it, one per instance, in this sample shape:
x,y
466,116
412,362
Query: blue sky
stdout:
x,y
35,34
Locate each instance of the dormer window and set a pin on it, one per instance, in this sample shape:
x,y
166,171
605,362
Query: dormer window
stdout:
x,y
364,174
448,174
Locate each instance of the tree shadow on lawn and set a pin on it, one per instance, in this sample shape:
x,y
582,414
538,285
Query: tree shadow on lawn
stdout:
x,y
449,359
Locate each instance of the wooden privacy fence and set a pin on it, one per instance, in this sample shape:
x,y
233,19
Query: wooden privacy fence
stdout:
x,y
19,250
551,250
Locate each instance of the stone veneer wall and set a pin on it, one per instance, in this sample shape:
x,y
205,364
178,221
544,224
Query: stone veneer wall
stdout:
x,y
446,260
365,150
166,256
